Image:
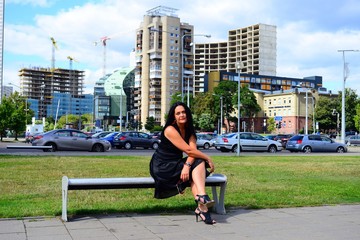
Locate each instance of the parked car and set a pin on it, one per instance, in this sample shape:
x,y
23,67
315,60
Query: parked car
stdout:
x,y
314,143
271,137
110,137
129,140
352,140
100,134
204,141
248,142
70,139
283,138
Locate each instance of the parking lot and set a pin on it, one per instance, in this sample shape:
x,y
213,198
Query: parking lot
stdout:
x,y
353,151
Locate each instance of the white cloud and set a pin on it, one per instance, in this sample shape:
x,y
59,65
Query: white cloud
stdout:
x,y
303,48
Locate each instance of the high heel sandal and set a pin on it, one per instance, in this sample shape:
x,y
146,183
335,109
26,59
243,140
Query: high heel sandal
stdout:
x,y
204,200
204,216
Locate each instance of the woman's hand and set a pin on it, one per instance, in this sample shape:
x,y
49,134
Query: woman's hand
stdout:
x,y
184,176
211,165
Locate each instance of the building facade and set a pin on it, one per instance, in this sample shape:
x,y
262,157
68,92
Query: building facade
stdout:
x,y
253,46
39,86
162,49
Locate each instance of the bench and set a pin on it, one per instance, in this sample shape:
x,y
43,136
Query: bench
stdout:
x,y
214,180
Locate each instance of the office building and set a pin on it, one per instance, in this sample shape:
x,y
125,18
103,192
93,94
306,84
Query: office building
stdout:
x,y
253,46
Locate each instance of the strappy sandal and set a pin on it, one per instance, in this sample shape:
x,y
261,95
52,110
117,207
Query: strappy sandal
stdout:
x,y
204,200
204,216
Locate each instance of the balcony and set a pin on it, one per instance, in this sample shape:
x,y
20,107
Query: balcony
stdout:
x,y
155,55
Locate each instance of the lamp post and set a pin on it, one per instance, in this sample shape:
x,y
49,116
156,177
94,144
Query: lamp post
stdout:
x,y
221,112
182,61
345,75
120,110
239,66
306,112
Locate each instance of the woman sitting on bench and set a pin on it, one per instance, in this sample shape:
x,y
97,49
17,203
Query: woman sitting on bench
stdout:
x,y
172,172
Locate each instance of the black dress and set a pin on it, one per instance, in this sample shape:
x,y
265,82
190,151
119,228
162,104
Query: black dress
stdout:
x,y
166,165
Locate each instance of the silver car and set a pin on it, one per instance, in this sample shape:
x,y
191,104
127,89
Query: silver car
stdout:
x,y
248,142
352,140
314,143
204,141
70,139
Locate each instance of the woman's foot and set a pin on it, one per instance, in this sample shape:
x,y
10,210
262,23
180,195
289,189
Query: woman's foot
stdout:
x,y
204,216
204,200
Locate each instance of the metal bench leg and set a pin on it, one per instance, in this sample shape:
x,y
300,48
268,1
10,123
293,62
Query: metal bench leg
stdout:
x,y
221,206
65,183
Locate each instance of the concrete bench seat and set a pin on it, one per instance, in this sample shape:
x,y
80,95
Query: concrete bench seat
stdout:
x,y
214,180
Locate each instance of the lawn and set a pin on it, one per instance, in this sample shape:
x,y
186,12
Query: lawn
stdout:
x,y
31,186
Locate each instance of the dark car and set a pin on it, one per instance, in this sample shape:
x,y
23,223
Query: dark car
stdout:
x,y
70,139
283,138
129,140
314,143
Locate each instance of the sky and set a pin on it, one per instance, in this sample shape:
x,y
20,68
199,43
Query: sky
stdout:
x,y
310,34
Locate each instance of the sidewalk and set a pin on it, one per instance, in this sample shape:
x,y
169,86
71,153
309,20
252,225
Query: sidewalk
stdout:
x,y
340,222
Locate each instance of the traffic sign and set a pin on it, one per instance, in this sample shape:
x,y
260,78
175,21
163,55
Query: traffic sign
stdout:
x,y
278,118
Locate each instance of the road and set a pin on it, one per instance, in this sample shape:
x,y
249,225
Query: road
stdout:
x,y
353,151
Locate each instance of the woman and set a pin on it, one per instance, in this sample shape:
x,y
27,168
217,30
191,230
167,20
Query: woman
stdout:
x,y
172,172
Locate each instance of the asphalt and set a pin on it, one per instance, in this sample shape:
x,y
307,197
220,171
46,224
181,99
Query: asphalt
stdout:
x,y
340,222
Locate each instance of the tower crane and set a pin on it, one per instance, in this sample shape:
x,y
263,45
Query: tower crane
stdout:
x,y
103,41
54,47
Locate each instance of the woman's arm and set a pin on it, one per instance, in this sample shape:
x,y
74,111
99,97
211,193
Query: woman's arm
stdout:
x,y
190,149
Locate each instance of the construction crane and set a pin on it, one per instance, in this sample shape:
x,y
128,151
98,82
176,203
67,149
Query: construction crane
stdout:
x,y
72,84
54,47
103,41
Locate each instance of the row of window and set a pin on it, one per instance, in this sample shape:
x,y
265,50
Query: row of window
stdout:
x,y
279,101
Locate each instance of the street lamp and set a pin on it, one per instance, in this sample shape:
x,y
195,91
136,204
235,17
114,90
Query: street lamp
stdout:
x,y
120,107
221,112
182,61
345,75
239,66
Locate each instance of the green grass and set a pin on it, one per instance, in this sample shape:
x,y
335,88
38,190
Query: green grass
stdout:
x,y
31,186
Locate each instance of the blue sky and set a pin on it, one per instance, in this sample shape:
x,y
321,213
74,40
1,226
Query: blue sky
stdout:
x,y
309,33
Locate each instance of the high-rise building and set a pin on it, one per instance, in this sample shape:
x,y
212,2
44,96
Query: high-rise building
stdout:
x,y
2,6
41,83
253,46
161,41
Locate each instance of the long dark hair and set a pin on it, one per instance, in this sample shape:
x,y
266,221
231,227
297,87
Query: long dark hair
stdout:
x,y
190,130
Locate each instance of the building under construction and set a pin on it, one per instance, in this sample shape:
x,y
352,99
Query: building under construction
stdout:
x,y
41,83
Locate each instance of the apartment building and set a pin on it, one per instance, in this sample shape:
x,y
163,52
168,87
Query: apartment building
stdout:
x,y
162,50
40,84
253,46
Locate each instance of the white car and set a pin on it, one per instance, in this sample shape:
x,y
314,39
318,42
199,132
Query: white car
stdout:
x,y
248,142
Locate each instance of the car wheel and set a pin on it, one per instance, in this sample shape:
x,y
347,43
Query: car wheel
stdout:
x,y
52,149
155,145
307,149
127,145
272,149
234,148
340,150
98,148
206,146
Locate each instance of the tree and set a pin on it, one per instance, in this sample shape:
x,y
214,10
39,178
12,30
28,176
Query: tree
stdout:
x,y
323,113
351,100
270,124
17,121
226,89
6,109
249,105
150,123
357,117
205,122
